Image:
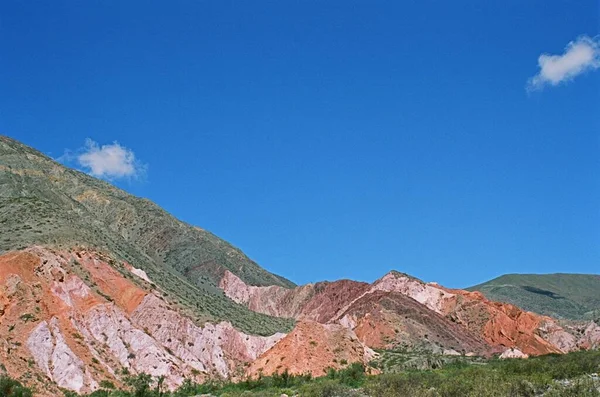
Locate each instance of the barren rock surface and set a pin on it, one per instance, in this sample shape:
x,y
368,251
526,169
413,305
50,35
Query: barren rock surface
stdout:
x,y
312,348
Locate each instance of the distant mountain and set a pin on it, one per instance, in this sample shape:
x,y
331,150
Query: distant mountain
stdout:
x,y
561,295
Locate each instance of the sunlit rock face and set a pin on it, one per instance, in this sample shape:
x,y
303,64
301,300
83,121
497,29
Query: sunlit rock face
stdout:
x,y
78,332
401,311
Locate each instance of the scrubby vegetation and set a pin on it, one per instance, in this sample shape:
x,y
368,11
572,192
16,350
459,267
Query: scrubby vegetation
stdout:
x,y
12,388
570,375
570,296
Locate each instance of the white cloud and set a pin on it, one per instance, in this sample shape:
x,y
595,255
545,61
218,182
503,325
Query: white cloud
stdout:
x,y
580,56
111,161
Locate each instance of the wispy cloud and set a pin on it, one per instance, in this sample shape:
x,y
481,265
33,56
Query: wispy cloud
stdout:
x,y
580,56
111,161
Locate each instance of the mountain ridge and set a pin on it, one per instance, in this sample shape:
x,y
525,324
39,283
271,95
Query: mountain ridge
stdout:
x,y
43,202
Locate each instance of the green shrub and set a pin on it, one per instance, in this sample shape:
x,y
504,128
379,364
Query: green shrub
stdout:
x,y
326,388
12,388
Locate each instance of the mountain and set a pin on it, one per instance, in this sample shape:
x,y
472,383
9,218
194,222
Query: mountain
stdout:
x,y
45,203
568,296
97,285
88,272
401,313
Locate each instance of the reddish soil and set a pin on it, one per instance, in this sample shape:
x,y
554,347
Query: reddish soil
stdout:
x,y
401,311
331,297
311,348
501,324
391,320
112,283
28,296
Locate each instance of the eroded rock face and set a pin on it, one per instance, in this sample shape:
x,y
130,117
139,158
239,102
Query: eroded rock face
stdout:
x,y
430,295
81,320
591,336
435,318
319,302
580,335
138,272
389,320
312,348
501,325
52,354
213,348
133,348
78,333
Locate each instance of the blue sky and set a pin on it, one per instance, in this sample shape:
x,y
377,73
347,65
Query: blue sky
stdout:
x,y
330,139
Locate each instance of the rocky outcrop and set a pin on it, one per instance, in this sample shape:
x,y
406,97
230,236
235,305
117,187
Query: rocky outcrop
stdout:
x,y
78,317
399,310
217,348
52,354
501,325
427,294
312,348
317,302
138,272
391,320
80,320
513,353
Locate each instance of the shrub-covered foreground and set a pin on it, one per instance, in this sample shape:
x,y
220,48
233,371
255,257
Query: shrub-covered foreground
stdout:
x,y
11,388
573,374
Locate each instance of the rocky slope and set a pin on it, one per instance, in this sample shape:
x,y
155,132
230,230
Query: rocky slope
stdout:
x,y
312,348
74,319
401,312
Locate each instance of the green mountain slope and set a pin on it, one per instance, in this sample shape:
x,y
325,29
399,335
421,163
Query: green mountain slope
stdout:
x,y
569,296
43,202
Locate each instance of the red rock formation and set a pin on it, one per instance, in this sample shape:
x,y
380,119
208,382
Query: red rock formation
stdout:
x,y
384,319
312,348
318,302
399,310
504,325
77,317
72,318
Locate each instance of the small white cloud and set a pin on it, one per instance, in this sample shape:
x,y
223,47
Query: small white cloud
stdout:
x,y
111,161
580,56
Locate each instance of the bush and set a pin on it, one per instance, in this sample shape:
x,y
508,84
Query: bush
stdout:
x,y
13,388
326,388
353,376
140,385
536,376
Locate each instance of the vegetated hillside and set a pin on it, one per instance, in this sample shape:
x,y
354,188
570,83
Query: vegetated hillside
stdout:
x,y
44,203
568,296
